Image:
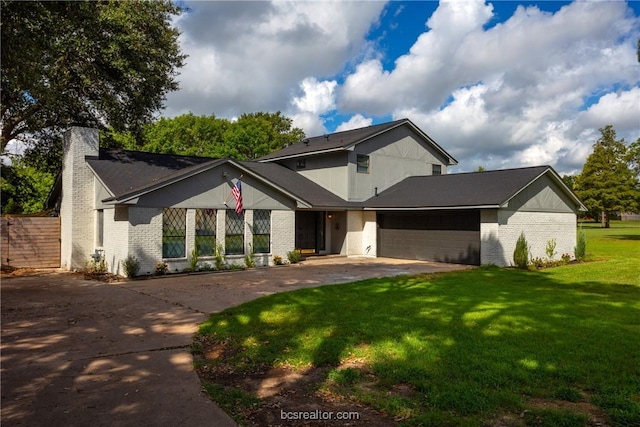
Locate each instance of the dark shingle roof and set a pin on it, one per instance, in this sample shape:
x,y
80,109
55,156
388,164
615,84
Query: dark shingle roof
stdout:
x,y
343,140
127,172
475,189
333,141
298,185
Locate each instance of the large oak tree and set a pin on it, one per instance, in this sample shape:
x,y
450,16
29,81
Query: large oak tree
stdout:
x,y
105,63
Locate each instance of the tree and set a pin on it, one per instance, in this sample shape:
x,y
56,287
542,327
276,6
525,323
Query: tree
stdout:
x,y
106,63
251,136
258,134
24,187
606,183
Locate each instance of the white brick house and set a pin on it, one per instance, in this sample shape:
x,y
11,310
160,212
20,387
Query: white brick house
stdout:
x,y
382,190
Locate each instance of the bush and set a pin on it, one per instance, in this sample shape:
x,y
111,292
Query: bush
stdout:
x,y
97,264
551,249
161,268
581,246
294,256
521,253
277,260
249,261
131,266
219,256
193,259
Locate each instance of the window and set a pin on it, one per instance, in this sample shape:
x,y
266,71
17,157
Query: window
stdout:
x,y
206,231
362,165
262,231
174,227
301,163
436,170
234,233
99,227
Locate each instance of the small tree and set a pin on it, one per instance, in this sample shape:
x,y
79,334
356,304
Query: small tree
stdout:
x,y
581,246
521,252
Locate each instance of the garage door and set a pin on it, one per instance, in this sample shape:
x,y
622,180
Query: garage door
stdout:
x,y
445,236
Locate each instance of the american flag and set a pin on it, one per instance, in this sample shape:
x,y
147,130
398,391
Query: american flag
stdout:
x,y
237,193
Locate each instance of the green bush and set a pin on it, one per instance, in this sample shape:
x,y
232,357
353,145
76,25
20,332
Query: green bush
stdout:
x,y
521,252
131,266
219,256
294,256
193,259
581,246
249,261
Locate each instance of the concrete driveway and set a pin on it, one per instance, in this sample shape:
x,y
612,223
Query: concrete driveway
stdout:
x,y
78,352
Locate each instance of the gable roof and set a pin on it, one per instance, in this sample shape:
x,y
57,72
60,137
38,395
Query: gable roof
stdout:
x,y
130,174
490,189
341,141
127,173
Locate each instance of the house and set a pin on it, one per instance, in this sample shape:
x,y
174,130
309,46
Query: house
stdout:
x,y
381,190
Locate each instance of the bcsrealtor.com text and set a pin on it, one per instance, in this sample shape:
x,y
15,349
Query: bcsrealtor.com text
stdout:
x,y
318,415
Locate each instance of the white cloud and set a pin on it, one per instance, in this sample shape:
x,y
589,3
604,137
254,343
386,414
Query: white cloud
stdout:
x,y
248,56
355,122
318,96
532,89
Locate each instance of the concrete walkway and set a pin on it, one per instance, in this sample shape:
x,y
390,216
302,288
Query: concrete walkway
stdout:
x,y
78,352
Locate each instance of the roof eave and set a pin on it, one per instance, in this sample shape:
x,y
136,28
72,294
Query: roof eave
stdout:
x,y
308,153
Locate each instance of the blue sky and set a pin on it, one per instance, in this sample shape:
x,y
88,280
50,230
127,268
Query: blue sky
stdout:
x,y
499,84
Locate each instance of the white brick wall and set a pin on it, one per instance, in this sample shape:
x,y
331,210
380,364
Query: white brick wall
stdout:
x,y
355,225
499,239
283,237
116,242
76,209
145,237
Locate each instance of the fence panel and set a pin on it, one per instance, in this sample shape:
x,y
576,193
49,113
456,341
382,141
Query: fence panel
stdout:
x,y
32,242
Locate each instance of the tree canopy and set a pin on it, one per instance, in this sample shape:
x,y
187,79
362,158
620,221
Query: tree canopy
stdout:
x,y
105,63
251,136
607,183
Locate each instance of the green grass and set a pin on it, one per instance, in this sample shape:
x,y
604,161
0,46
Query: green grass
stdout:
x,y
465,347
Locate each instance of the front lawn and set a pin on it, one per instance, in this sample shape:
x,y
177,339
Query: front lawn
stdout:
x,y
490,346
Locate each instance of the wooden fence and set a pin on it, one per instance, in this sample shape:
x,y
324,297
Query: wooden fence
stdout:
x,y
32,242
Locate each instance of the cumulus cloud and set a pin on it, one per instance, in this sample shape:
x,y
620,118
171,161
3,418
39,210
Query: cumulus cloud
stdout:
x,y
355,122
249,56
531,89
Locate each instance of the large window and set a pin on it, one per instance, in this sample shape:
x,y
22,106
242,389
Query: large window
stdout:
x,y
261,231
206,231
174,227
234,233
362,163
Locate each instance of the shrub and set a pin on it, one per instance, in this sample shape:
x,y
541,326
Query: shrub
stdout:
x,y
96,265
277,260
249,261
294,256
161,268
219,256
131,266
565,258
193,259
551,249
521,252
581,246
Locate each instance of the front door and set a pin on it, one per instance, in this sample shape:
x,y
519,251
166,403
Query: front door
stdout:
x,y
310,231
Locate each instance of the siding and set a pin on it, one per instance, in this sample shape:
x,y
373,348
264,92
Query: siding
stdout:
x,y
32,242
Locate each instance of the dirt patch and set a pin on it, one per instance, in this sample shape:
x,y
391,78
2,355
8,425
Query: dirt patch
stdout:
x,y
597,417
286,395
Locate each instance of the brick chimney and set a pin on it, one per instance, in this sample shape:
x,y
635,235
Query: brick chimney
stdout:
x,y
77,220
